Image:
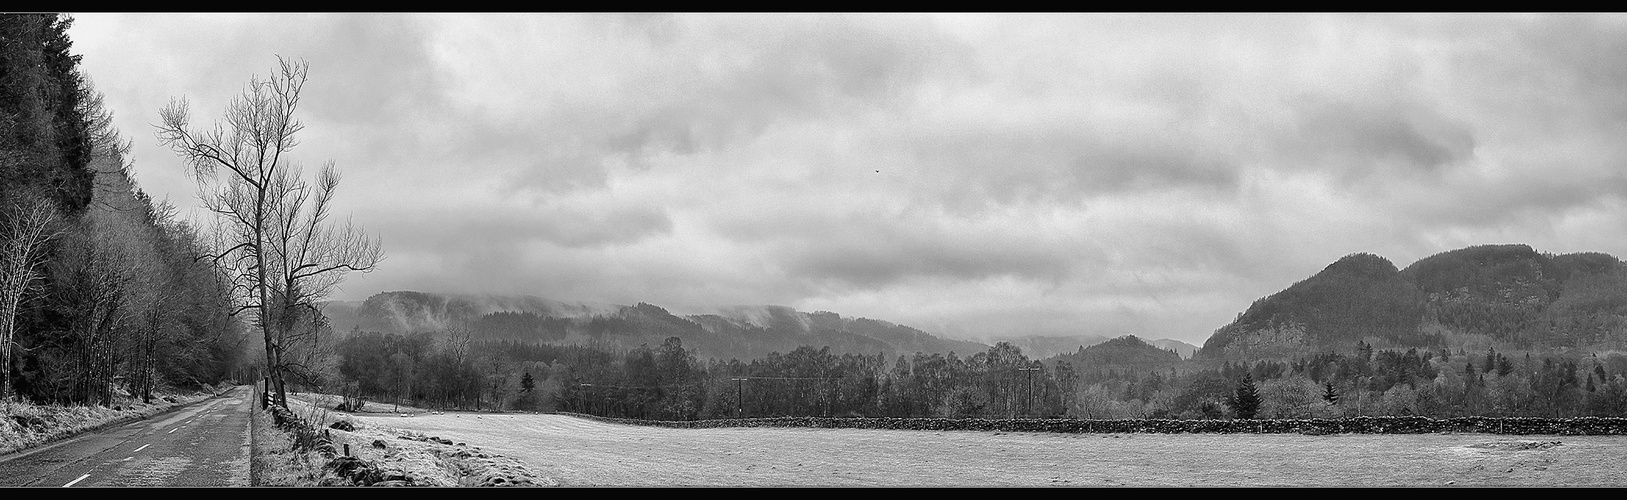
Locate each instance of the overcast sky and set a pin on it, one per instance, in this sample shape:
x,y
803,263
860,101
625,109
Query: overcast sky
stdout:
x,y
971,175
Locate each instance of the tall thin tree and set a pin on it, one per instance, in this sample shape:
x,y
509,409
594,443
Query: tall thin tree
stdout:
x,y
27,229
282,253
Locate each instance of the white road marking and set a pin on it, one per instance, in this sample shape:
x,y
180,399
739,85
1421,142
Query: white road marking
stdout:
x,y
127,459
143,447
172,430
81,478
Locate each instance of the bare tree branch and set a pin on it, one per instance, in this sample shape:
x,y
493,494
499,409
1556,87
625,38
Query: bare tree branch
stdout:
x,y
274,231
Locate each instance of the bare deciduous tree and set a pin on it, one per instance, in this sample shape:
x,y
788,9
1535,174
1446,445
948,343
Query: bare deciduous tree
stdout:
x,y
309,257
26,230
276,239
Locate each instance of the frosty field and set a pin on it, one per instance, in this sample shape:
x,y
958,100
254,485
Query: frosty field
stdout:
x,y
581,452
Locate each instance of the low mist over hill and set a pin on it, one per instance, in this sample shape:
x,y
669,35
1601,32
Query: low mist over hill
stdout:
x,y
1502,293
1491,293
742,332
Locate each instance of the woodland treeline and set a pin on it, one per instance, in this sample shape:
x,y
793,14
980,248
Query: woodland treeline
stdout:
x,y
1435,383
670,382
100,290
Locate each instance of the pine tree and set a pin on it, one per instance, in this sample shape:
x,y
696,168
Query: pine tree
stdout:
x,y
1245,400
526,383
1328,394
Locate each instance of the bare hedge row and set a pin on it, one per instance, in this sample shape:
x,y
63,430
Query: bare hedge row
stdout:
x,y
355,470
1314,426
305,436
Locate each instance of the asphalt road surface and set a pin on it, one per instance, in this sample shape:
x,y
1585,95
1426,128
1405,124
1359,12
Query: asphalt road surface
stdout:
x,y
203,444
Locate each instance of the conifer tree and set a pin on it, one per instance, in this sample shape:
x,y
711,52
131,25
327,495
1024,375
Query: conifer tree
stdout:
x,y
1328,394
1245,400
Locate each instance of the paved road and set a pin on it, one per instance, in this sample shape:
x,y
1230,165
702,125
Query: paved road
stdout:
x,y
204,444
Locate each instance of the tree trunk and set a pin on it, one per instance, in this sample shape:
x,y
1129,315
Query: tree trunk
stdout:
x,y
8,323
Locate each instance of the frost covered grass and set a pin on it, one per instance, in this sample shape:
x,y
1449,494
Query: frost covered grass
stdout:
x,y
276,462
411,458
25,424
583,452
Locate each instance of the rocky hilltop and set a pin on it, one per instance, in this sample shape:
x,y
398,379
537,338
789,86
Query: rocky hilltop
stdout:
x,y
1503,293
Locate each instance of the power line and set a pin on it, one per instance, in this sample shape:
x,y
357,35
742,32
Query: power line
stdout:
x,y
1029,408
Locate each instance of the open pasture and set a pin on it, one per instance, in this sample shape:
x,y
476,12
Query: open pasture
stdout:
x,y
581,452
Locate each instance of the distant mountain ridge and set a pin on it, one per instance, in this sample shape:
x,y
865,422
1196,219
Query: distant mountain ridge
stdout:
x,y
1507,293
741,332
1040,347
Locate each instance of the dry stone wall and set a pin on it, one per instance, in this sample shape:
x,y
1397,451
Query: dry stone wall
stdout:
x,y
1355,425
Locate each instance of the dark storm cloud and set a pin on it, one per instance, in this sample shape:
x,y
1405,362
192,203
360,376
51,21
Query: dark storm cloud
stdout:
x,y
1360,139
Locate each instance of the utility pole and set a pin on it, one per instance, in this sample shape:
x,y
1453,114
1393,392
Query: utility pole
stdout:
x,y
739,391
1030,370
834,397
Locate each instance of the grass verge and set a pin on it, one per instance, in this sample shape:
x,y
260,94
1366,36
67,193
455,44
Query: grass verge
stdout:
x,y
275,462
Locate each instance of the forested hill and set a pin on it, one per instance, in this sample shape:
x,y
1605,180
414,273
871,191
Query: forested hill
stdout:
x,y
1041,347
1502,293
730,333
1123,352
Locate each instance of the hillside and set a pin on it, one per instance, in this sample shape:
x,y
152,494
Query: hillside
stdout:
x,y
1183,349
1123,352
742,332
1041,347
1503,293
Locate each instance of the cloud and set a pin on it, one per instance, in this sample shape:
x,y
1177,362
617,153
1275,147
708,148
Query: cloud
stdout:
x,y
1359,141
976,173
863,255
